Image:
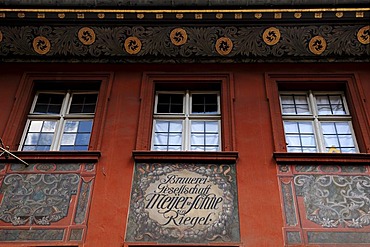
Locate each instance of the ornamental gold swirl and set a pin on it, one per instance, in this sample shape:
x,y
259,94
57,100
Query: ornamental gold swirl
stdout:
x,y
317,45
224,46
133,45
363,35
41,45
178,36
86,35
271,36
1,36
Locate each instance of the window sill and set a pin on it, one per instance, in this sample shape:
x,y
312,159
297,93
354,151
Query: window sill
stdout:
x,y
185,156
55,156
322,158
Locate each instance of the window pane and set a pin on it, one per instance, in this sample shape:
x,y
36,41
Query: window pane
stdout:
x,y
174,139
294,104
170,103
175,126
197,139
212,126
49,126
85,126
204,103
346,141
82,139
68,139
83,103
167,135
45,139
204,134
32,139
212,139
49,103
197,126
330,105
36,126
76,135
160,138
299,136
338,137
71,126
40,133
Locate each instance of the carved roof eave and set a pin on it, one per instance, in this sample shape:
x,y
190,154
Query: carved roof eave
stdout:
x,y
179,3
185,35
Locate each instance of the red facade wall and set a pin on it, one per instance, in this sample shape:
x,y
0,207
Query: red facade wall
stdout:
x,y
260,212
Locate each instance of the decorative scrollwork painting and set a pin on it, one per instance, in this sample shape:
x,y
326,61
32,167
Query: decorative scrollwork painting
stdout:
x,y
38,199
284,43
45,201
325,204
183,203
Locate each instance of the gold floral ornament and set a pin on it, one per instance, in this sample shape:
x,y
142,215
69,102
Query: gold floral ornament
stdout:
x,y
271,36
363,35
132,45
1,36
317,45
224,46
41,45
178,36
86,35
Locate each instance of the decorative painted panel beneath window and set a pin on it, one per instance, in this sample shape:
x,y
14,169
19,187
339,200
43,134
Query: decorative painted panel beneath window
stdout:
x,y
187,203
45,202
326,204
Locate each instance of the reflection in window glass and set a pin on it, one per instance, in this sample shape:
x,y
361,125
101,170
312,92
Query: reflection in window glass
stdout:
x,y
60,121
76,135
39,136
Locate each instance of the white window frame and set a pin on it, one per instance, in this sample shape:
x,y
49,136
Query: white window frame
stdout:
x,y
187,117
317,119
60,118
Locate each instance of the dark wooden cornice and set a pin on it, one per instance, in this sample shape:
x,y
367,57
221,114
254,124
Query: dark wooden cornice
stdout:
x,y
180,3
187,35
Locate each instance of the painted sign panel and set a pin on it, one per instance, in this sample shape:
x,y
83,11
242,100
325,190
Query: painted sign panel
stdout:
x,y
192,203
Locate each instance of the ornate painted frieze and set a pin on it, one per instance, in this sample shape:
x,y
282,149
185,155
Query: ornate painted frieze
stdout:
x,y
183,203
36,199
286,43
331,202
43,201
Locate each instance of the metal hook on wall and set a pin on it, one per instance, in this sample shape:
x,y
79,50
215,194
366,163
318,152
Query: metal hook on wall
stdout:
x,y
7,153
